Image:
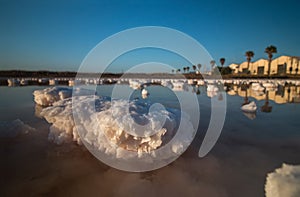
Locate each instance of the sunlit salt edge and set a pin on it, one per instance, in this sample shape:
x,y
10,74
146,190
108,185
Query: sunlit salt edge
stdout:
x,y
14,128
284,181
46,97
94,115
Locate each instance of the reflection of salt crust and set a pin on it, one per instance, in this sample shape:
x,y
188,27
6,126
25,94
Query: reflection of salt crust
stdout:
x,y
13,128
285,181
212,90
106,126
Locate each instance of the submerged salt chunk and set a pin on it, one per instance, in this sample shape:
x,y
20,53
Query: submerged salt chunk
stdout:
x,y
14,128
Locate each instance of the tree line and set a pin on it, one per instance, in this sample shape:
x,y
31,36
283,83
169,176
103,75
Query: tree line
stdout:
x,y
269,50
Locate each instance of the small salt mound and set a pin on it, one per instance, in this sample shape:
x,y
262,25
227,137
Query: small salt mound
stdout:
x,y
13,128
48,96
145,92
249,108
284,182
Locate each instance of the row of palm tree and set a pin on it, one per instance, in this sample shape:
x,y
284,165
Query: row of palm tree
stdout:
x,y
269,50
249,55
187,69
199,66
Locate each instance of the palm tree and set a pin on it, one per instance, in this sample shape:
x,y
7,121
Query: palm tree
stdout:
x,y
222,61
291,70
188,69
194,67
212,63
270,50
184,69
199,66
249,55
172,70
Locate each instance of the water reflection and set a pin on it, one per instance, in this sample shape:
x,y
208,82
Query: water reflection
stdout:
x,y
244,88
252,92
279,93
266,108
196,90
220,97
251,116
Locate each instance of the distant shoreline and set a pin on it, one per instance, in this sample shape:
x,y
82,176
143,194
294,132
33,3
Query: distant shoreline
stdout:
x,y
70,74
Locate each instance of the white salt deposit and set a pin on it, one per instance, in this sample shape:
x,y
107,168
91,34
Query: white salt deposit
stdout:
x,y
53,82
13,82
179,85
113,127
250,108
48,96
284,182
137,83
24,82
43,80
60,115
200,82
71,82
166,83
212,88
112,123
14,128
145,93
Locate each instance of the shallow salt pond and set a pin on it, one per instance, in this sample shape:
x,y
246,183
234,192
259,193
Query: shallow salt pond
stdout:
x,y
247,150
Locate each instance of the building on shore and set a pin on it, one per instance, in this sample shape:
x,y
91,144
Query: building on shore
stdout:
x,y
282,65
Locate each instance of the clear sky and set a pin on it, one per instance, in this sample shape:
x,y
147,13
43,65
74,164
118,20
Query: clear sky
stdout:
x,y
57,35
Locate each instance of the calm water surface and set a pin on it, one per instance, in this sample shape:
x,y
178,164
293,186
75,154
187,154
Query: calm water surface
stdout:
x,y
246,151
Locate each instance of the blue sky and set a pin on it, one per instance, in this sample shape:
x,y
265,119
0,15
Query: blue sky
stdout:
x,y
57,35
